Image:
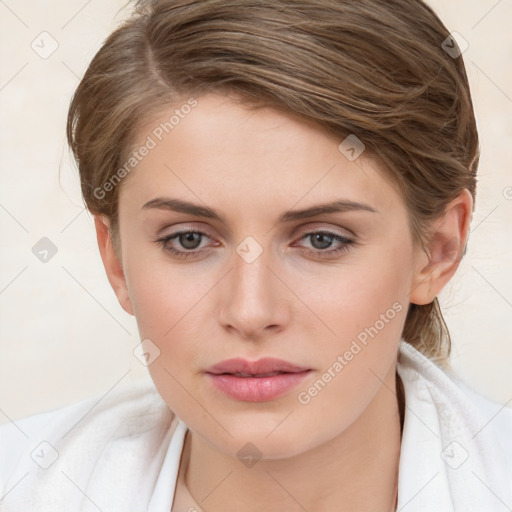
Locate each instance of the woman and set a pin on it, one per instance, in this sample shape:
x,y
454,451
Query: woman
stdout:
x,y
281,189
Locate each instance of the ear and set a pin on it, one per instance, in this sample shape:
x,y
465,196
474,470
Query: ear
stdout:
x,y
445,250
111,262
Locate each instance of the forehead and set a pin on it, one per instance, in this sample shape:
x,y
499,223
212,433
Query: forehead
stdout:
x,y
223,154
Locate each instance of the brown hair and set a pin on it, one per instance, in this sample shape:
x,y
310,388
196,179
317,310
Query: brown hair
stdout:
x,y
374,68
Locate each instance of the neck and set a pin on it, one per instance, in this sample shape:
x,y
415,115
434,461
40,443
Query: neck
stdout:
x,y
356,470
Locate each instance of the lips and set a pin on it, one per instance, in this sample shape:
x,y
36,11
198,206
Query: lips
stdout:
x,y
256,381
265,367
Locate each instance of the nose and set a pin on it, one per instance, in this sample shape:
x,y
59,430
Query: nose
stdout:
x,y
254,300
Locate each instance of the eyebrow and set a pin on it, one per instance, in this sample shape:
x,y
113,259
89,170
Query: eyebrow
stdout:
x,y
179,205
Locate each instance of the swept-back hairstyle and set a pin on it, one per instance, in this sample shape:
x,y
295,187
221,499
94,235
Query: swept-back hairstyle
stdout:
x,y
384,70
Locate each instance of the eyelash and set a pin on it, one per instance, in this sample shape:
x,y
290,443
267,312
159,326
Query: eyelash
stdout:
x,y
345,247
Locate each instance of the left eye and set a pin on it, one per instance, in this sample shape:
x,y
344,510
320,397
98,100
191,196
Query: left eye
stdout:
x,y
322,240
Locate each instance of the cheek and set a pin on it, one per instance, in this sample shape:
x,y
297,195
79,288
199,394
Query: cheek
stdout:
x,y
168,309
367,289
163,294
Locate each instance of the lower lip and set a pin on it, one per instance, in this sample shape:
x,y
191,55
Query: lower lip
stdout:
x,y
256,389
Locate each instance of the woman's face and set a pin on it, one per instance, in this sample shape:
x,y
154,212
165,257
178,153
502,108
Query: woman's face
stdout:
x,y
267,274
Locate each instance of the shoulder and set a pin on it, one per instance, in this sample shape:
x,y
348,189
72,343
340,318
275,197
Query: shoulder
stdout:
x,y
448,390
15,439
494,423
126,410
495,416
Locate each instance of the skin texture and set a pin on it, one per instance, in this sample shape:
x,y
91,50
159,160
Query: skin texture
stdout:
x,y
340,451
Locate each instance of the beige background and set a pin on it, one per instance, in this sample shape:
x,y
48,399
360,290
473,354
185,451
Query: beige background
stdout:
x,y
63,335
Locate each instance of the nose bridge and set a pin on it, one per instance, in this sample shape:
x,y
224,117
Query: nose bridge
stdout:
x,y
252,302
250,278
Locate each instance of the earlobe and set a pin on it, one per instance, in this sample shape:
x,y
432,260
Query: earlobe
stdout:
x,y
111,262
445,250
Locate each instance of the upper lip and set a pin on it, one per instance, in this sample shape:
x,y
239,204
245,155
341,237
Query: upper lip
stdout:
x,y
261,366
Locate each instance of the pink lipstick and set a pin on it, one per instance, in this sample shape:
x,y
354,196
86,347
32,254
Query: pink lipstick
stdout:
x,y
256,381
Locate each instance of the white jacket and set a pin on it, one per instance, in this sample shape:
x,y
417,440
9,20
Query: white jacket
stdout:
x,y
120,451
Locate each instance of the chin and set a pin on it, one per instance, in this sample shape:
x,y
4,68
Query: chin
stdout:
x,y
262,440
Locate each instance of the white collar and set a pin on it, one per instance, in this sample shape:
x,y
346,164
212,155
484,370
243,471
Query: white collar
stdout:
x,y
165,487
